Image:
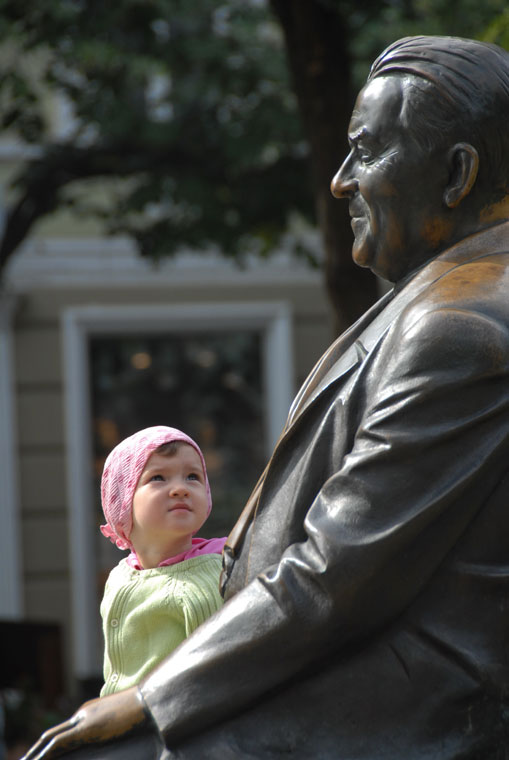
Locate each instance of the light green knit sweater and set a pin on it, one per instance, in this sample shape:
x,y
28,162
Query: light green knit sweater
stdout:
x,y
148,613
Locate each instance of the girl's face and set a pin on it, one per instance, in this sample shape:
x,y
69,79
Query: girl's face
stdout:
x,y
170,502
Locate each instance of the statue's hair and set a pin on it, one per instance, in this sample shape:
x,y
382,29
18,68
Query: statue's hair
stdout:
x,y
459,91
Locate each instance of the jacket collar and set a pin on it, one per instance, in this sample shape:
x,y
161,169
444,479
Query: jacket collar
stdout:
x,y
359,339
352,346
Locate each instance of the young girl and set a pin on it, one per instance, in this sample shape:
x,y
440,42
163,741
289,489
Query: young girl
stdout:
x,y
155,497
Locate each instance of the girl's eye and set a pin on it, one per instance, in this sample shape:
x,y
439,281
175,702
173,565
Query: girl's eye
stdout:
x,y
156,477
192,476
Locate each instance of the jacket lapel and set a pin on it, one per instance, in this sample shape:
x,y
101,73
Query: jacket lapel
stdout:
x,y
361,338
352,347
339,358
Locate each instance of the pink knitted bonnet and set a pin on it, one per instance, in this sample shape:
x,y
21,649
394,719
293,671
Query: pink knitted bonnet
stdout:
x,y
121,473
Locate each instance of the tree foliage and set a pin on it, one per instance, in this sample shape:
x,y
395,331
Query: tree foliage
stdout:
x,y
187,102
188,114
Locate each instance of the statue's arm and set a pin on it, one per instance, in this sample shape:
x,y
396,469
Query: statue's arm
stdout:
x,y
97,721
435,416
435,419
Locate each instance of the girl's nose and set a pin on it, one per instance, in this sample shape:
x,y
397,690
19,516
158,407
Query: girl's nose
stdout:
x,y
178,487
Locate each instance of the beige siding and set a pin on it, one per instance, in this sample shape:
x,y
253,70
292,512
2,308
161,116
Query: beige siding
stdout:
x,y
42,479
40,412
42,484
38,359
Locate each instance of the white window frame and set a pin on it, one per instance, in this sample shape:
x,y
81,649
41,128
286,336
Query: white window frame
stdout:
x,y
271,318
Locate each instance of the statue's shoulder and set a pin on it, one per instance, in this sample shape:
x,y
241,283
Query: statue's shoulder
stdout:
x,y
457,315
477,288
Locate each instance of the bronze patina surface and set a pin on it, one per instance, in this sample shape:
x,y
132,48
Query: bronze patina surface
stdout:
x,y
367,580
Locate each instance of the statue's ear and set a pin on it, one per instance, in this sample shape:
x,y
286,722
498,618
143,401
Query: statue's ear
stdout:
x,y
464,162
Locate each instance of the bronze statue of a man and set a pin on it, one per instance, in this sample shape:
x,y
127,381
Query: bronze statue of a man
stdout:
x,y
367,580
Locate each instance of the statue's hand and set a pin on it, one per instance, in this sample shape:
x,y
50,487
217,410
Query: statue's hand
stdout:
x,y
95,722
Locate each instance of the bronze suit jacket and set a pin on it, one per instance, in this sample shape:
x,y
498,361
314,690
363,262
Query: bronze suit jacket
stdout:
x,y
367,582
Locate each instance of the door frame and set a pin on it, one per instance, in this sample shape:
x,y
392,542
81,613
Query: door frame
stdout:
x,y
272,319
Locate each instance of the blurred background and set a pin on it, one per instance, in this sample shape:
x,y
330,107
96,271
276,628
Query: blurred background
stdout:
x,y
169,254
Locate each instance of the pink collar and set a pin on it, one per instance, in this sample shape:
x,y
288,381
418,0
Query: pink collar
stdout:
x,y
199,546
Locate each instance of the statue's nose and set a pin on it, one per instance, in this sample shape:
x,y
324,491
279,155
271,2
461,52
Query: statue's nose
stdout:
x,y
343,184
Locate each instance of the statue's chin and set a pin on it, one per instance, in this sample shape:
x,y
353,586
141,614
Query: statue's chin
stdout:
x,y
361,253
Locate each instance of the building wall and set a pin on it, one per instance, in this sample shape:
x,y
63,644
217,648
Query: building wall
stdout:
x,y
44,285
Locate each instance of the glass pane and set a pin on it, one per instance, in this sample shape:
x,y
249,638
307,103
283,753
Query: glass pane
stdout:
x,y
207,384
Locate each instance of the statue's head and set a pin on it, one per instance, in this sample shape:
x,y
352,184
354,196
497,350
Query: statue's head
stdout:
x,y
429,159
